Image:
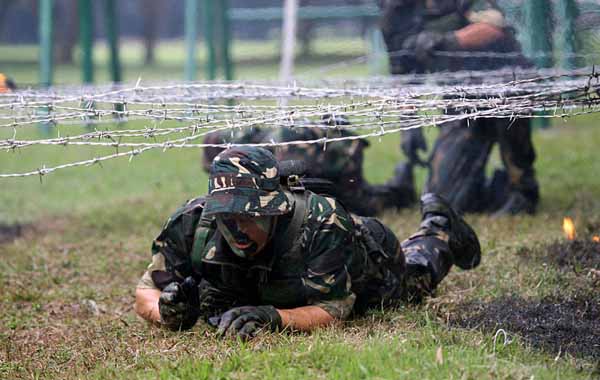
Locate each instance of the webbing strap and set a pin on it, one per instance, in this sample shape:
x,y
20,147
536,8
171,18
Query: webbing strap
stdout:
x,y
287,239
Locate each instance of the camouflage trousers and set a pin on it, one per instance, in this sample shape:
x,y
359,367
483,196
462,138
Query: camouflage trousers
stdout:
x,y
364,199
459,157
427,260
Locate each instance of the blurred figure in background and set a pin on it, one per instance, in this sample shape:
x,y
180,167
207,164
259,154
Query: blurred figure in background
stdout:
x,y
341,163
6,84
421,36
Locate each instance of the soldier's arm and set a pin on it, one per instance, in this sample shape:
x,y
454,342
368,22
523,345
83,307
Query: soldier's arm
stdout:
x,y
305,318
146,304
327,283
147,292
486,25
474,36
169,254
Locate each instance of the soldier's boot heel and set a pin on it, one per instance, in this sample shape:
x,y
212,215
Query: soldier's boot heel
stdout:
x,y
462,240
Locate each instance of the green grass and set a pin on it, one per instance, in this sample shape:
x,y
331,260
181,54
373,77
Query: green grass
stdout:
x,y
253,60
88,236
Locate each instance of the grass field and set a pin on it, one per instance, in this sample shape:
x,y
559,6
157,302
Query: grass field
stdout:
x,y
83,239
252,61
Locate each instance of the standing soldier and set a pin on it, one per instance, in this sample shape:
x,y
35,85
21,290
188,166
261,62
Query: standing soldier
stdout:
x,y
424,36
254,254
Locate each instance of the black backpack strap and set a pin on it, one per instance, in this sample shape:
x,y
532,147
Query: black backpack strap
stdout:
x,y
285,241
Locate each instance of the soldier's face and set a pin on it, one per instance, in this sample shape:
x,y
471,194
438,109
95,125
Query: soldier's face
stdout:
x,y
245,235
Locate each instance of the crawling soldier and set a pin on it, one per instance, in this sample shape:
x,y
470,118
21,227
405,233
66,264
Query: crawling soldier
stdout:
x,y
255,254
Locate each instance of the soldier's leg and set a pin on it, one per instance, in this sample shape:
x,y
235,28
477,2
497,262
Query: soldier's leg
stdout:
x,y
457,165
443,239
518,155
365,199
384,271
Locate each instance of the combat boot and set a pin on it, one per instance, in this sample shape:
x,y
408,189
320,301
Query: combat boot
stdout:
x,y
462,240
516,203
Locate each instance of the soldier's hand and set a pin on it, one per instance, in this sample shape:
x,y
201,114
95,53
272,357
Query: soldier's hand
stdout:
x,y
246,321
177,311
413,141
426,43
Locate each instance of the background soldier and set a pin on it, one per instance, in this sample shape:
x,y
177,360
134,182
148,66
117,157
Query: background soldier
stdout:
x,y
341,163
6,84
267,257
421,36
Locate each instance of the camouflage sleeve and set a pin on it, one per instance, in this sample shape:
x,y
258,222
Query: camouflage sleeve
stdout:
x,y
327,281
172,247
157,264
485,11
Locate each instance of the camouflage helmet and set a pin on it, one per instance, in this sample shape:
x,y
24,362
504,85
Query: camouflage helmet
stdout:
x,y
245,180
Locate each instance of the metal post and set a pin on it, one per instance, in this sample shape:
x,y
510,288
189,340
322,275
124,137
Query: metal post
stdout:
x,y
226,39
208,13
376,56
290,13
46,37
567,13
537,16
112,34
86,39
191,33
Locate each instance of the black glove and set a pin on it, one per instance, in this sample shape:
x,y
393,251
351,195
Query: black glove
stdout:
x,y
412,142
246,321
178,305
424,44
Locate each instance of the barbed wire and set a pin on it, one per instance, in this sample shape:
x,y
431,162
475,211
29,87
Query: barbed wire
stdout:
x,y
26,113
376,107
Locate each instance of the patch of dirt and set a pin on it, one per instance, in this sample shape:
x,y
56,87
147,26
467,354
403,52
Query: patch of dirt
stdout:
x,y
10,232
556,325
575,253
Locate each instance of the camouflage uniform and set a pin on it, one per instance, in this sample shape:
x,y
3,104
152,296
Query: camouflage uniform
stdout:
x,y
319,254
458,159
242,136
339,162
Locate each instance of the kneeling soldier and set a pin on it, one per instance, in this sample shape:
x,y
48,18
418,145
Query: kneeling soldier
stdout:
x,y
255,254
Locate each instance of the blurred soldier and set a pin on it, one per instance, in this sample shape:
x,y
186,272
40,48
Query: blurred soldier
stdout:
x,y
421,36
340,162
6,84
255,254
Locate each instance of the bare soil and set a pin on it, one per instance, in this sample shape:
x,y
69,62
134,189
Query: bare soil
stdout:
x,y
10,232
570,325
580,253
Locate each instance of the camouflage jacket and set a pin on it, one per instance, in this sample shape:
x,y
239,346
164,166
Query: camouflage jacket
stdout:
x,y
326,265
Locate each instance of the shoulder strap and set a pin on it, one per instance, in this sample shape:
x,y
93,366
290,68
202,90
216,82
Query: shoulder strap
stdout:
x,y
286,240
201,237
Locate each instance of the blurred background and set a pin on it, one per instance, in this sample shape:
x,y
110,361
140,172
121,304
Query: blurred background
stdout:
x,y
75,41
